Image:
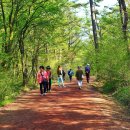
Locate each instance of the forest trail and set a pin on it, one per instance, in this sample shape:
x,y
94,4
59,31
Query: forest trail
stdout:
x,y
63,109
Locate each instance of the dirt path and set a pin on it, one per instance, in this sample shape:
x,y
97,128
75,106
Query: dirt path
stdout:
x,y
63,109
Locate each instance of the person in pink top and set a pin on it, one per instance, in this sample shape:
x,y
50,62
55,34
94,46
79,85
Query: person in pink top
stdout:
x,y
42,79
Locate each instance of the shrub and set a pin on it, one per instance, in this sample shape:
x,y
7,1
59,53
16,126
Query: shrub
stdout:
x,y
123,95
110,87
10,87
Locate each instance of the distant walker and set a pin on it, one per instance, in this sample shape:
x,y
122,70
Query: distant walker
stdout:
x,y
87,72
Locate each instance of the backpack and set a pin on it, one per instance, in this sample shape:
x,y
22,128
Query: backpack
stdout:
x,y
71,73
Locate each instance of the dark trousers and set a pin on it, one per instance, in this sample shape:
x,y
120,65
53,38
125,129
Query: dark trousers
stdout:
x,y
87,77
49,85
70,77
44,85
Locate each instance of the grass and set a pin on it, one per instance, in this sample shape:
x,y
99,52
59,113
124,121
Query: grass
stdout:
x,y
7,101
11,87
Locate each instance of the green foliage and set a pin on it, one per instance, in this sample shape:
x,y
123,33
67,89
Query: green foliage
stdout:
x,y
9,87
5,102
35,33
123,95
111,62
110,87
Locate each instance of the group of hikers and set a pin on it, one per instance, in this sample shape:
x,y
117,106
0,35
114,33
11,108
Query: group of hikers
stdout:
x,y
44,77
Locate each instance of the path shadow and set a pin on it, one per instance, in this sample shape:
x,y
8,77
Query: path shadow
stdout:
x,y
33,120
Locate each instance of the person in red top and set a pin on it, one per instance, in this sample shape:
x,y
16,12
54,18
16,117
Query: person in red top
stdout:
x,y
42,79
48,69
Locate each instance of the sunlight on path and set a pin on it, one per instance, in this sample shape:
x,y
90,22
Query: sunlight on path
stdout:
x,y
63,109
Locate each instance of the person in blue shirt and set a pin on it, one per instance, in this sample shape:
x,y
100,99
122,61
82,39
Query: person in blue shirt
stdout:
x,y
70,74
87,72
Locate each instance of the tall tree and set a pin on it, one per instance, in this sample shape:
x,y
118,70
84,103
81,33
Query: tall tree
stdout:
x,y
124,17
94,26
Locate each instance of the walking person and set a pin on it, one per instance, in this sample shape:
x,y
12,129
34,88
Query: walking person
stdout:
x,y
79,76
60,76
42,79
70,74
87,72
63,74
48,69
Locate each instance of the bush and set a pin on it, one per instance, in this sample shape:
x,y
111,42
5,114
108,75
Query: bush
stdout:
x,y
123,95
110,87
10,87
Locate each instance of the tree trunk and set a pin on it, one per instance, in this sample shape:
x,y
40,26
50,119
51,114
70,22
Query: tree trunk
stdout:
x,y
94,24
23,61
4,46
35,62
124,17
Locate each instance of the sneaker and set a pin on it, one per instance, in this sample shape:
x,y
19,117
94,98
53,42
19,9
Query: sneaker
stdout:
x,y
63,86
44,94
79,87
49,91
